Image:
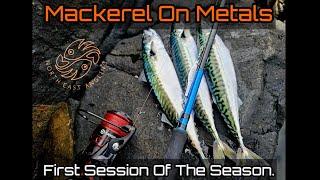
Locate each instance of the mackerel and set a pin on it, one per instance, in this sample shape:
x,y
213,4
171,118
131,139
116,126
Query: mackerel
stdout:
x,y
185,54
223,87
162,76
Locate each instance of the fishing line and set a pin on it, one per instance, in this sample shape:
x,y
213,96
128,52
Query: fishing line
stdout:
x,y
144,103
139,112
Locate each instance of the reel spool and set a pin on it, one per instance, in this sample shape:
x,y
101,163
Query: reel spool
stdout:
x,y
109,137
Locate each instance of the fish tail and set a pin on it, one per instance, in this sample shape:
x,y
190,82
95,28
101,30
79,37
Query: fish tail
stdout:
x,y
218,154
228,151
244,154
204,160
222,150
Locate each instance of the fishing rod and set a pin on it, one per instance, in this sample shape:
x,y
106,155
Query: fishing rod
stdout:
x,y
179,134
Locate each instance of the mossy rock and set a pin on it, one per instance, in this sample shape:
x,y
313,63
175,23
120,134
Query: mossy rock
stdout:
x,y
59,143
52,133
41,115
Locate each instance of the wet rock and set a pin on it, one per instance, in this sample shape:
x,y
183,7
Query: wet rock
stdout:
x,y
128,46
74,106
98,32
275,80
266,144
280,155
251,73
131,64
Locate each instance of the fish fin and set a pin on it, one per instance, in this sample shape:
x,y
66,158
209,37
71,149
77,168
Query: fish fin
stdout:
x,y
187,33
240,157
228,151
218,154
142,77
204,160
164,119
222,150
244,154
239,101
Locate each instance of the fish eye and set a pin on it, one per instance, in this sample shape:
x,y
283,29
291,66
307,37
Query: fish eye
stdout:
x,y
152,53
70,51
183,35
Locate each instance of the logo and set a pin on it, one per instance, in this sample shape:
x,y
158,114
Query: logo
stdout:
x,y
81,53
75,63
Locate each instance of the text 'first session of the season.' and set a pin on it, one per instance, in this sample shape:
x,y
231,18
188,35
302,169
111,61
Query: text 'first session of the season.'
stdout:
x,y
160,170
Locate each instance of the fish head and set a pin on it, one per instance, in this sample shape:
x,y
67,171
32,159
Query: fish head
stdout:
x,y
177,29
186,33
152,41
147,37
177,32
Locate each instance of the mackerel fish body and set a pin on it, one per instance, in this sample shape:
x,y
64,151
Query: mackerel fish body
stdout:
x,y
222,82
185,54
162,76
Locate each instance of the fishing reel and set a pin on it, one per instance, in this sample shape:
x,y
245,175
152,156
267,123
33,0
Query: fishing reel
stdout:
x,y
109,137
